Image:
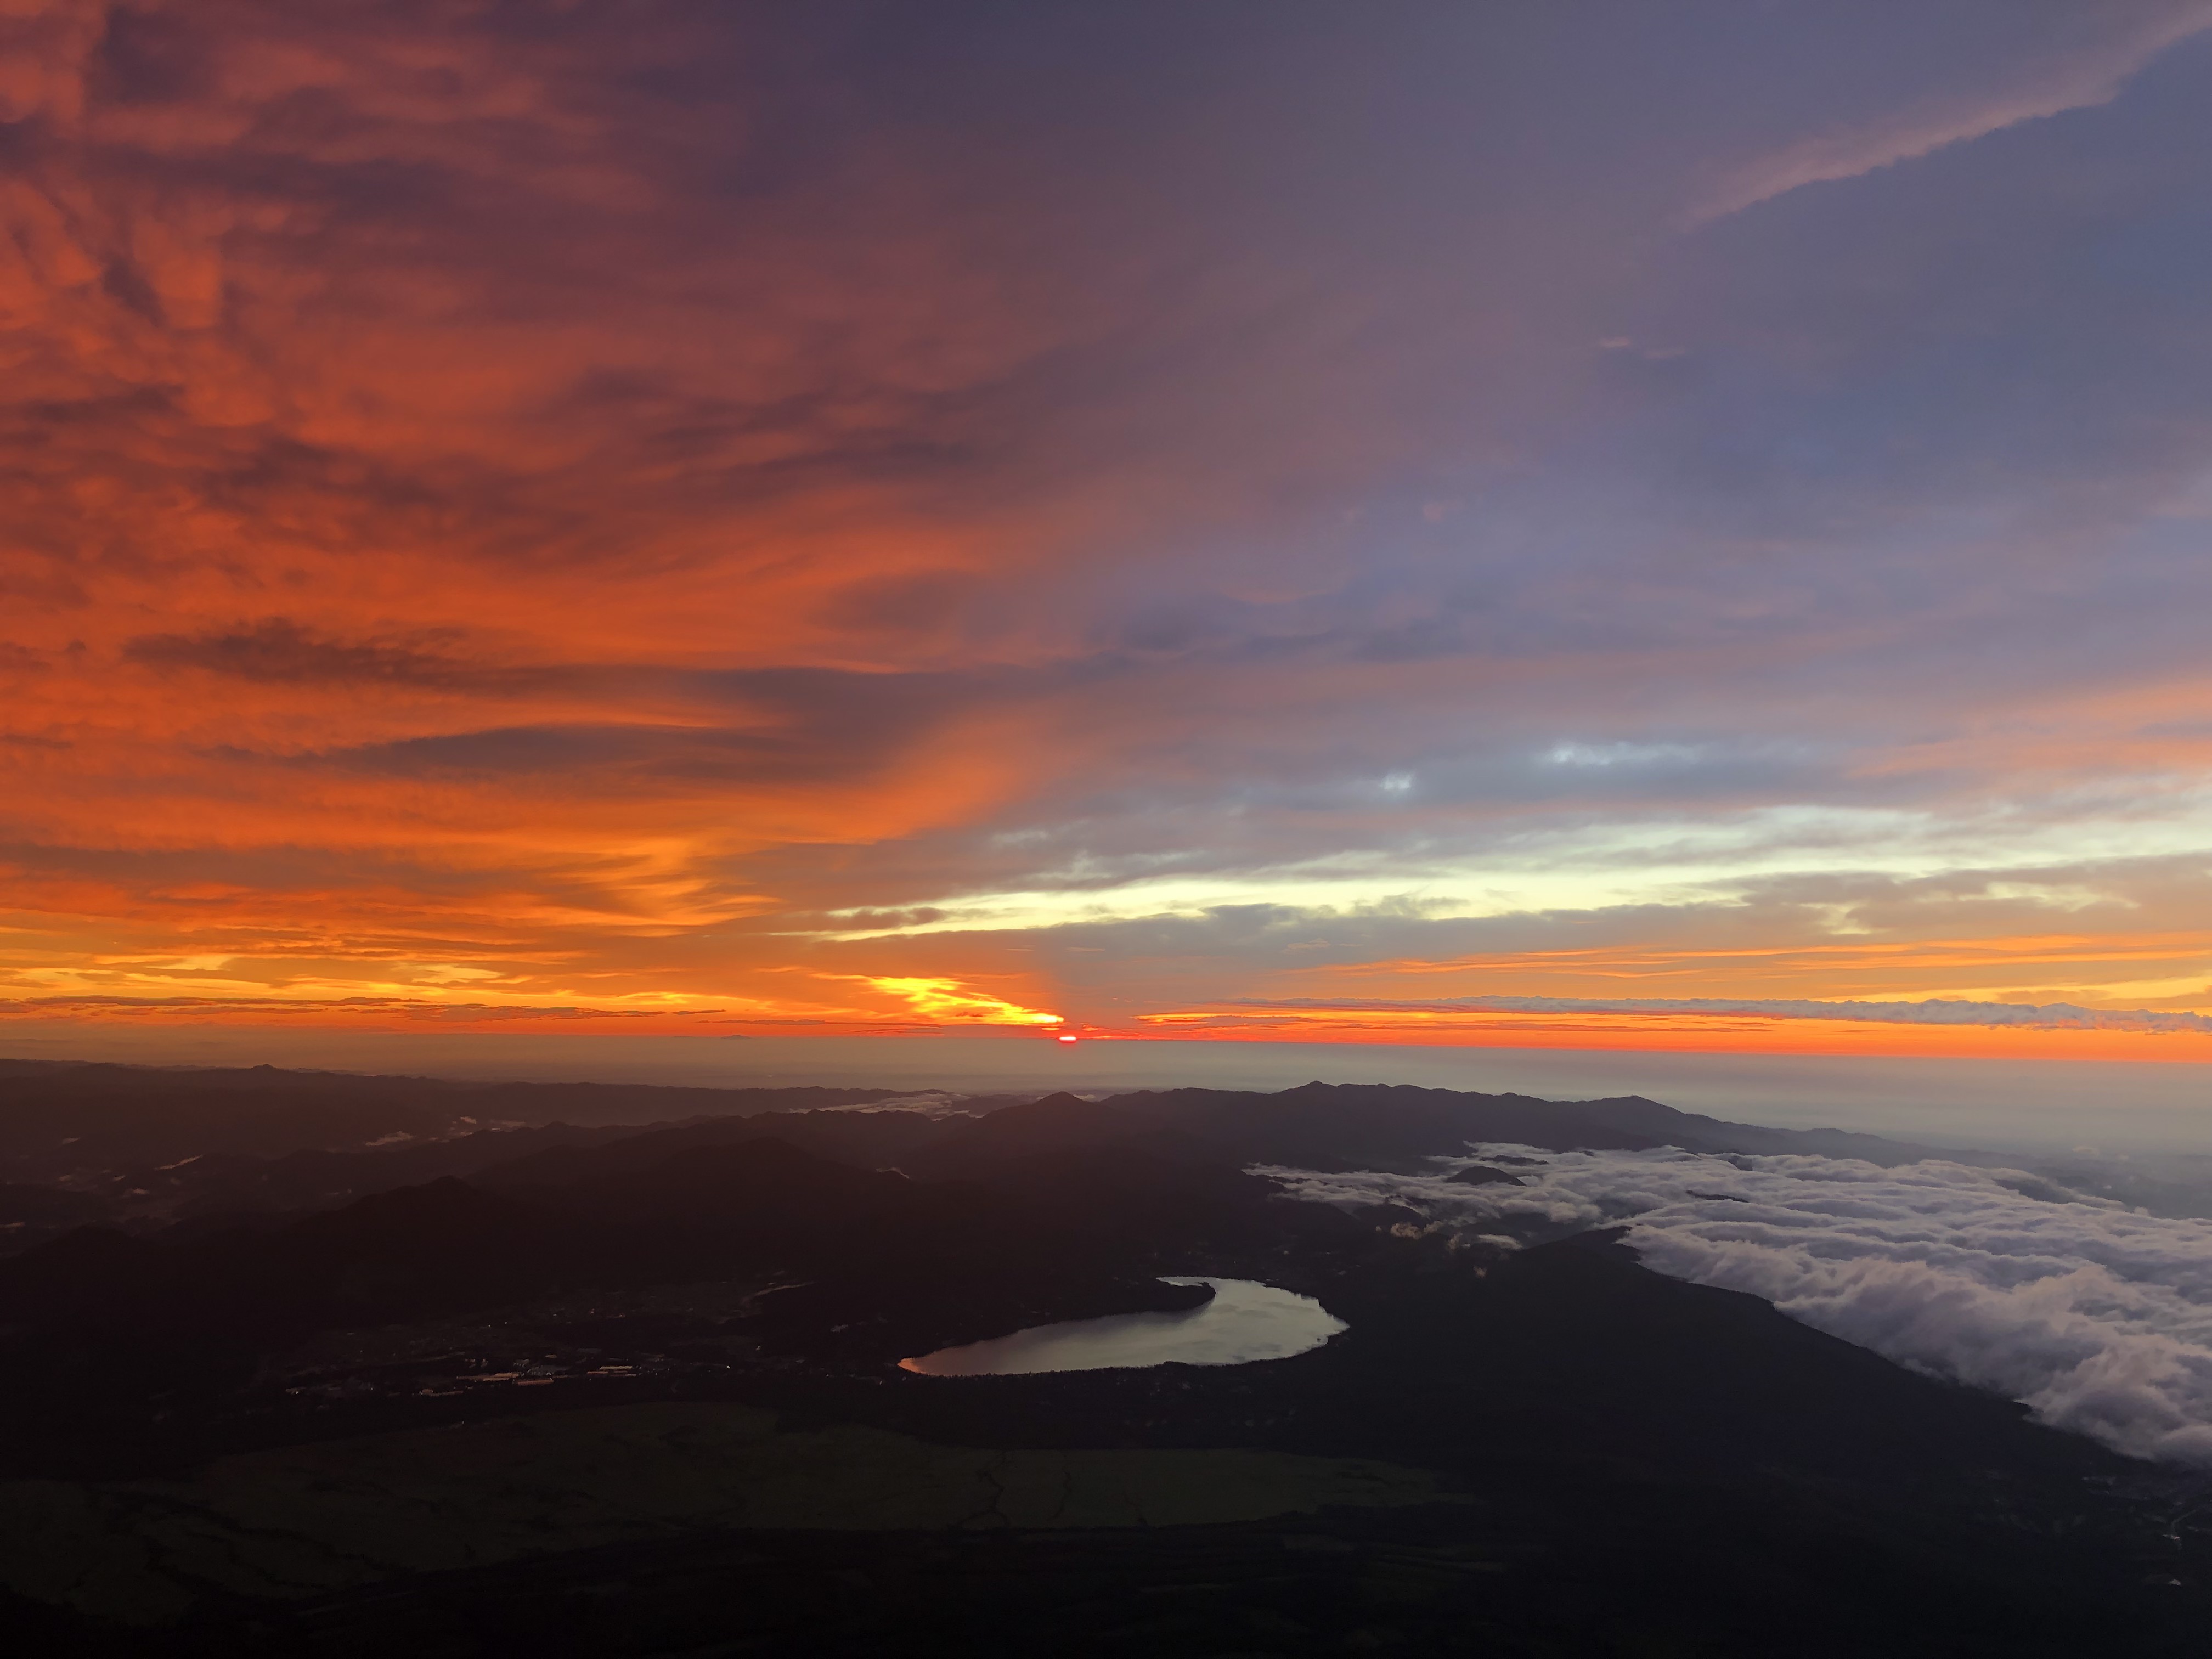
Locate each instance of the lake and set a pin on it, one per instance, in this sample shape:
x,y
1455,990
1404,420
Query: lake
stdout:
x,y
1245,1321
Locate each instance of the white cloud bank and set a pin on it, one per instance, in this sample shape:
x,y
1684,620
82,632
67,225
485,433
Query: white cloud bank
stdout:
x,y
2098,1318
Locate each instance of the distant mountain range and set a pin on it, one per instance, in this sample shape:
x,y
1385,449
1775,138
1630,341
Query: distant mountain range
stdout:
x,y
140,1146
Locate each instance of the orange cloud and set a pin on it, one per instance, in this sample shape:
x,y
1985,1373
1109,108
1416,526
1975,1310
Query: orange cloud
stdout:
x,y
424,518
1720,1033
947,998
581,517
2015,966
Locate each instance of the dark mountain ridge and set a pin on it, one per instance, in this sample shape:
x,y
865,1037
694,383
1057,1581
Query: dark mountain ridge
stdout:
x,y
167,1140
60,1119
1378,1125
1316,1125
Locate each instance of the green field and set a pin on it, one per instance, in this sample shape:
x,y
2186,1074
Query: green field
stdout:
x,y
310,1520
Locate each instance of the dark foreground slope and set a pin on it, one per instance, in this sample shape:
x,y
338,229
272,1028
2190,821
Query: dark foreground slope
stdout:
x,y
641,1397
1565,1456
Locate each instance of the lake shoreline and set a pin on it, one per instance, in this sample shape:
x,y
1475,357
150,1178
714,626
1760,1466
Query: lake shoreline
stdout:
x,y
1239,1321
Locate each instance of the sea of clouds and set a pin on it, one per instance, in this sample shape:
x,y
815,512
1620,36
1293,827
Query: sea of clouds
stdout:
x,y
2097,1316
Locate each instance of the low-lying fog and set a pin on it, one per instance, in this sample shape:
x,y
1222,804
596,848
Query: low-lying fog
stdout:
x,y
2096,1315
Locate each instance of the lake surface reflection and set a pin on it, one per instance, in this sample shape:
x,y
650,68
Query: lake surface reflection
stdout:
x,y
1245,1321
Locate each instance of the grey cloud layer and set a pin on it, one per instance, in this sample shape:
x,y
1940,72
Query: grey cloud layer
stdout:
x,y
2098,1318
2046,1017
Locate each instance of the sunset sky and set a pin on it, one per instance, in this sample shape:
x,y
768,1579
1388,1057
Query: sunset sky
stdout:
x,y
1602,526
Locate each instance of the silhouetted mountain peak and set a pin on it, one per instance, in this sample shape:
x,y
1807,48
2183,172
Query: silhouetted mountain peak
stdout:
x,y
1483,1175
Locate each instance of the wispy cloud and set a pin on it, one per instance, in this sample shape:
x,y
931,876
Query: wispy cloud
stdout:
x,y
2047,1017
2086,74
279,651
